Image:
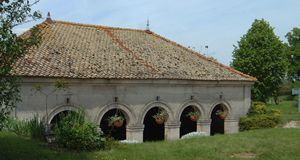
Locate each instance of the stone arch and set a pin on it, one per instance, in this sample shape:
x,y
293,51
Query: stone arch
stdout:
x,y
190,103
59,109
153,104
188,125
217,125
129,115
155,129
226,106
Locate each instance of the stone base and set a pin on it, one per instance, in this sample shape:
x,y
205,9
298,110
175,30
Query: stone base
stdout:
x,y
204,126
231,126
172,131
135,133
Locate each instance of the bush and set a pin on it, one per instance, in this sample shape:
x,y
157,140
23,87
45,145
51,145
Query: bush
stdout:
x,y
257,108
19,127
74,132
36,128
33,128
260,117
259,121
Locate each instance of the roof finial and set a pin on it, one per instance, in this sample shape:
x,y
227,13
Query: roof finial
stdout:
x,y
148,26
48,19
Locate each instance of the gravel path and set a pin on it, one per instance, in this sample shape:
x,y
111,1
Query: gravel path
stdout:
x,y
292,124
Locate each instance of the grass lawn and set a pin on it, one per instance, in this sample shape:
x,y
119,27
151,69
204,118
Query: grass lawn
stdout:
x,y
267,144
289,110
13,147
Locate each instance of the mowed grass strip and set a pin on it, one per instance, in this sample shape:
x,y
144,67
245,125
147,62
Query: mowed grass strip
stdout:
x,y
266,144
289,110
13,147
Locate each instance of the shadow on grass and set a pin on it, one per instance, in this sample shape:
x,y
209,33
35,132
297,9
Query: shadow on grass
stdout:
x,y
13,147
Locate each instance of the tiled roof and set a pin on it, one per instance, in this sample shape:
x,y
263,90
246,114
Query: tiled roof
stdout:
x,y
72,50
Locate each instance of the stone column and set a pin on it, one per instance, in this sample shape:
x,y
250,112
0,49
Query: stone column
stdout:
x,y
203,125
172,130
135,133
231,126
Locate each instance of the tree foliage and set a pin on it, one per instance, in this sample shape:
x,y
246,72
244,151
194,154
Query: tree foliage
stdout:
x,y
260,53
12,47
75,132
293,38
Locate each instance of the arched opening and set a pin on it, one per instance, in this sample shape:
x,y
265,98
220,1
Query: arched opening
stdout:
x,y
113,124
218,115
58,117
188,119
154,124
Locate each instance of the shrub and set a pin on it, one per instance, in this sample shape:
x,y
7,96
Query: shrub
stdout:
x,y
259,121
74,132
33,128
36,128
19,127
260,117
257,108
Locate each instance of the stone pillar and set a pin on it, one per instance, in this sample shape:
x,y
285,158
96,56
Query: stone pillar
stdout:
x,y
172,130
231,126
203,125
135,133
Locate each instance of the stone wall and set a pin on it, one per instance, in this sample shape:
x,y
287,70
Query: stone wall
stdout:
x,y
135,98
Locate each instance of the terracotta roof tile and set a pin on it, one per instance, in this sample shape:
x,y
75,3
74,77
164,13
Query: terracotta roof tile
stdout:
x,y
73,50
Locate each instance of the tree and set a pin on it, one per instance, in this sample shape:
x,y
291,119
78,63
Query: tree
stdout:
x,y
260,53
293,38
12,47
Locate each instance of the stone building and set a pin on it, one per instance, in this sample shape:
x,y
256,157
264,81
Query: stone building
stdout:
x,y
134,73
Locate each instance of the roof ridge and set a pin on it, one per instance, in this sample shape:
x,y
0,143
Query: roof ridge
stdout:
x,y
97,26
198,54
121,44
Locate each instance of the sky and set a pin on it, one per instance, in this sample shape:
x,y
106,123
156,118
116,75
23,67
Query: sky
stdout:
x,y
218,24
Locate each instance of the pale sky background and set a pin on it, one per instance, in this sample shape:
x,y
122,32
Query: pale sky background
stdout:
x,y
196,23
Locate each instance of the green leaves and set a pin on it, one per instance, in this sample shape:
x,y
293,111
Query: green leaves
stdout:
x,y
74,132
260,117
293,53
260,53
12,47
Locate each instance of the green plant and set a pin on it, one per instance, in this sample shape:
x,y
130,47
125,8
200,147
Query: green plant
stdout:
x,y
74,132
194,115
37,128
222,113
260,117
19,127
257,108
115,120
259,121
33,128
258,52
61,84
161,116
12,47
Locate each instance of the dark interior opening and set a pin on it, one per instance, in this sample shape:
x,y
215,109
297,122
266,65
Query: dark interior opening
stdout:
x,y
58,117
152,130
187,125
111,131
217,123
